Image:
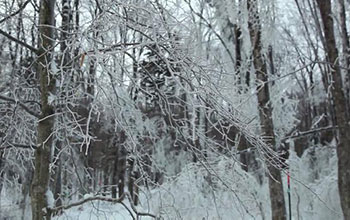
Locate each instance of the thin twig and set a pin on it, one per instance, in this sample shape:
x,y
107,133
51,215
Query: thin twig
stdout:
x,y
16,12
304,133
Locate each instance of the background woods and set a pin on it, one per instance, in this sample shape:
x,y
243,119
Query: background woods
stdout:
x,y
194,109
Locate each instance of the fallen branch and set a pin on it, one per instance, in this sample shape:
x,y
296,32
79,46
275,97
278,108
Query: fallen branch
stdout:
x,y
106,199
96,198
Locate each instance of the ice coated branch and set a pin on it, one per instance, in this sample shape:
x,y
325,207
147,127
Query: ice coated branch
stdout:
x,y
100,198
14,145
305,133
23,106
106,199
16,12
35,50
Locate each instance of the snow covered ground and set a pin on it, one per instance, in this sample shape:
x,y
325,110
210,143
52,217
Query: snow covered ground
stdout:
x,y
234,195
98,211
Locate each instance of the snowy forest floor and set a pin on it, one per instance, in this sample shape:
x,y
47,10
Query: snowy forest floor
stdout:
x,y
235,194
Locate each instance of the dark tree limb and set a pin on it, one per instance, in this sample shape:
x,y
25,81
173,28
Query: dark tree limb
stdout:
x,y
106,199
100,198
14,145
23,106
35,50
305,133
16,12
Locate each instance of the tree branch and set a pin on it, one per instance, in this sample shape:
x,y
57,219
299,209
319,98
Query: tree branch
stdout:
x,y
305,133
106,199
14,145
100,198
135,210
35,50
296,135
18,11
23,106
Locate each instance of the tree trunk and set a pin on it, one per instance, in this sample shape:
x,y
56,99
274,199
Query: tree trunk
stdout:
x,y
65,67
265,112
121,171
343,148
1,173
133,188
115,175
25,192
346,48
58,185
40,184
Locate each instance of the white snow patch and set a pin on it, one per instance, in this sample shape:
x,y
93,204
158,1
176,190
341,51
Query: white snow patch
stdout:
x,y
88,195
50,199
51,98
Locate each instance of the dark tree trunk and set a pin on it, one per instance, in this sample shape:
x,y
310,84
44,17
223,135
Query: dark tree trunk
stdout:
x,y
121,172
58,185
346,49
121,180
1,165
115,175
40,183
105,176
342,117
265,112
133,188
66,68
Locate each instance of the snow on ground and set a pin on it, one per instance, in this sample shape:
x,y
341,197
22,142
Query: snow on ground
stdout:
x,y
9,210
97,210
234,195
314,193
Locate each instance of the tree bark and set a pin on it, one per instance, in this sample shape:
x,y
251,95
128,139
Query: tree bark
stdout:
x,y
342,117
66,68
2,173
278,209
346,48
115,175
40,183
133,188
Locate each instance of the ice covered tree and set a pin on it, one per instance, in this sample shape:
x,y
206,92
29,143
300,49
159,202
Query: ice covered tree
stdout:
x,y
342,117
40,185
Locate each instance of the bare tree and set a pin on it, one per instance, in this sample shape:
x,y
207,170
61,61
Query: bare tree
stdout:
x,y
40,185
342,116
345,47
278,207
